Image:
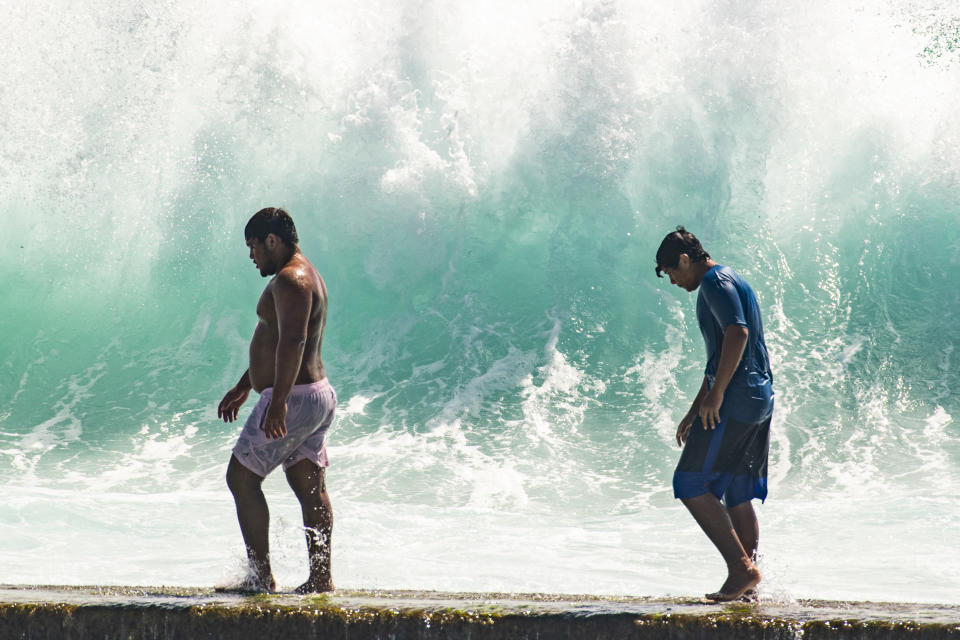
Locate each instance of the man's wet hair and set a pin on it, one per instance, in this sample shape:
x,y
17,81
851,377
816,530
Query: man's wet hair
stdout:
x,y
677,242
272,220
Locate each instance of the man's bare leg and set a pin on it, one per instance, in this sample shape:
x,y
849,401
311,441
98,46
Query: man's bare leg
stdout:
x,y
254,518
745,523
715,521
308,482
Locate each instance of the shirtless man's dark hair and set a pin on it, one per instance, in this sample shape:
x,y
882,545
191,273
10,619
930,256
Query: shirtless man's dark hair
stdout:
x,y
289,424
272,220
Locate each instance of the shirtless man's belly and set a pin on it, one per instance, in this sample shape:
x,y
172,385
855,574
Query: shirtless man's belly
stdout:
x,y
266,336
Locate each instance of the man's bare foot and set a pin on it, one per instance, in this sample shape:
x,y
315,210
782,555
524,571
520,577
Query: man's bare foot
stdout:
x,y
250,584
750,596
315,585
739,581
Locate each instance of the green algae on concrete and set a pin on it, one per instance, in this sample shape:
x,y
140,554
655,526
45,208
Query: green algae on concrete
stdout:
x,y
135,613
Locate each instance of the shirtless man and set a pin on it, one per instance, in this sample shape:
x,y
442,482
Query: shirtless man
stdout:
x,y
725,435
290,421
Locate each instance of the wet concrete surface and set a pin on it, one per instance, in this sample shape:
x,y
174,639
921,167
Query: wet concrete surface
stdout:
x,y
129,613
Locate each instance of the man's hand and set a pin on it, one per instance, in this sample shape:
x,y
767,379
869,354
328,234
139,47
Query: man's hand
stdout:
x,y
231,403
275,425
710,409
683,430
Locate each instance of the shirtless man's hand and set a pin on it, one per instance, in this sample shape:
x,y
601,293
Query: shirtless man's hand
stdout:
x,y
231,403
275,424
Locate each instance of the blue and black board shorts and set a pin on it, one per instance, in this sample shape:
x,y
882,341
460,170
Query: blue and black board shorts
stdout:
x,y
729,461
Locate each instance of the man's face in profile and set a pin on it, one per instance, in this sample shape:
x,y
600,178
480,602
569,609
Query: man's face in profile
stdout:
x,y
260,255
683,274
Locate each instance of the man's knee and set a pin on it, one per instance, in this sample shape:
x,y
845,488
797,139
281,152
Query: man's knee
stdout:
x,y
306,479
241,480
742,509
232,482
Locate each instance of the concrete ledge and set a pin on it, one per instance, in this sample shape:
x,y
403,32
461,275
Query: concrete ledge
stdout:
x,y
157,613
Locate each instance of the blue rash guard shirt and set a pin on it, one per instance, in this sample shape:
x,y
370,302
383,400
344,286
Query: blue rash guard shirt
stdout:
x,y
726,299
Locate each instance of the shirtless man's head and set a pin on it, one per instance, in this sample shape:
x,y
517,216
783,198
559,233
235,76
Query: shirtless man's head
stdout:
x,y
272,238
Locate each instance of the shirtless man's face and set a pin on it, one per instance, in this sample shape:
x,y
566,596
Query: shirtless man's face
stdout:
x,y
261,256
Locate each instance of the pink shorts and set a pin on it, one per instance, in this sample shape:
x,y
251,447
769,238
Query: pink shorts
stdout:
x,y
310,409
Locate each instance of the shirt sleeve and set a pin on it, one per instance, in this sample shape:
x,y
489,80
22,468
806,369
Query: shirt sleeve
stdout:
x,y
724,302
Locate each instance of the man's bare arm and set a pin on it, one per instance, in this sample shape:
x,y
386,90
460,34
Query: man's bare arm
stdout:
x,y
244,382
734,343
292,301
234,399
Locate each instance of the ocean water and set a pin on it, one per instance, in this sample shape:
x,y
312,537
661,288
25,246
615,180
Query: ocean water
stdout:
x,y
483,187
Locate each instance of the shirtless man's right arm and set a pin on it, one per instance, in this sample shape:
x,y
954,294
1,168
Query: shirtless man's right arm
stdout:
x,y
230,405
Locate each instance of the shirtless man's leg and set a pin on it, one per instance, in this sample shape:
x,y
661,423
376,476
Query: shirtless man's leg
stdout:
x,y
254,517
716,522
308,482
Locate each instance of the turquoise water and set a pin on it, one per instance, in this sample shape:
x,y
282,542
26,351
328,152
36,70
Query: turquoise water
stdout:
x,y
483,189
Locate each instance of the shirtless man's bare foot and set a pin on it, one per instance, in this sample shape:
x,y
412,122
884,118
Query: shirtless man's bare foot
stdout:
x,y
250,584
315,585
740,579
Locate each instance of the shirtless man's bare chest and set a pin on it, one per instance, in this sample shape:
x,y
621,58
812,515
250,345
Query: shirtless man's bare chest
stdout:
x,y
291,316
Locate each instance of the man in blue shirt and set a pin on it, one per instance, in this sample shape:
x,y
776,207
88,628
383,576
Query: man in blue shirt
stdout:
x,y
726,433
